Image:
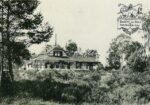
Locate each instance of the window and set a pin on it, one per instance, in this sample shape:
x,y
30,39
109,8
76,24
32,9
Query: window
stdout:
x,y
57,53
60,53
78,65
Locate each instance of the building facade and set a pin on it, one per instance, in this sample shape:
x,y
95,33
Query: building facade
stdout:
x,y
57,58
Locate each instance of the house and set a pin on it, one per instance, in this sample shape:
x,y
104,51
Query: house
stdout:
x,y
57,58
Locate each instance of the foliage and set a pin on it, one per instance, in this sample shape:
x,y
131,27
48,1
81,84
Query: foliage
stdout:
x,y
66,86
146,26
71,47
122,45
20,53
21,26
91,53
100,66
117,49
138,62
115,87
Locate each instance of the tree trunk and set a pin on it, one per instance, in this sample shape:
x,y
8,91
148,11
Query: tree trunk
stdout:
x,y
9,45
6,76
2,49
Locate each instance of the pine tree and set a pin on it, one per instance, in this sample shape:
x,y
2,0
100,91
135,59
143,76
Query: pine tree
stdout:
x,y
21,27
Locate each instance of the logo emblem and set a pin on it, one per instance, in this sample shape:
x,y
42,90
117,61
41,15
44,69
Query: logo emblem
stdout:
x,y
130,18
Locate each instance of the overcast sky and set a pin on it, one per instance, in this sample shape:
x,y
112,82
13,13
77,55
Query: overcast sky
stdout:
x,y
92,24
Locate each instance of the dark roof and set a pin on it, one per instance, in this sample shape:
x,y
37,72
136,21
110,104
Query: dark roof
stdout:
x,y
75,58
53,48
67,59
84,59
58,48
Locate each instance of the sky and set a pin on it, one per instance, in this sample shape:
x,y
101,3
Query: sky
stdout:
x,y
92,24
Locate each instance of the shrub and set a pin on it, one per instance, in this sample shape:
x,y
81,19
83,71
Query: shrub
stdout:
x,y
138,62
65,86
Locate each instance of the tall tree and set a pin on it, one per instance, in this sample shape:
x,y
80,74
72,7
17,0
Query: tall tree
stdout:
x,y
22,27
146,28
71,47
120,50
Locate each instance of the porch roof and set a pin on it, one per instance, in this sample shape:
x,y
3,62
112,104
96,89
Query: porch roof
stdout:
x,y
66,59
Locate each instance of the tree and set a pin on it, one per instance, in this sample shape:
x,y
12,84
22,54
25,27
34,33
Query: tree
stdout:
x,y
71,47
146,28
120,50
137,62
21,27
19,53
91,53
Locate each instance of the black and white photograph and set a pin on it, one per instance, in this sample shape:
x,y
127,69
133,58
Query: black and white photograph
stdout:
x,y
74,52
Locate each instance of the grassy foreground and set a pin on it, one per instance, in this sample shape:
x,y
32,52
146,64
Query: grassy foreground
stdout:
x,y
27,101
52,87
30,101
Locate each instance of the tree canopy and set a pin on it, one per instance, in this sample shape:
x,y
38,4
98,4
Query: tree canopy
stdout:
x,y
71,47
122,45
21,26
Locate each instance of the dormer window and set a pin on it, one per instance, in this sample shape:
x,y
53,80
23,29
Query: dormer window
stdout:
x,y
57,53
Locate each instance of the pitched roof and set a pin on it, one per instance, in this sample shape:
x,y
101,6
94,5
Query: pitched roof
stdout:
x,y
76,58
57,48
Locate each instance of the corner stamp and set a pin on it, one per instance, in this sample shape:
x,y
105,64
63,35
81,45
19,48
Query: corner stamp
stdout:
x,y
130,18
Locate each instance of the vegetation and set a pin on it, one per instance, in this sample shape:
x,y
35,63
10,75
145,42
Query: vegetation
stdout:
x,y
119,85
115,87
20,26
91,53
120,49
71,47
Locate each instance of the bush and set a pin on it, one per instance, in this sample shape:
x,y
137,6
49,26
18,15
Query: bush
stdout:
x,y
65,86
115,87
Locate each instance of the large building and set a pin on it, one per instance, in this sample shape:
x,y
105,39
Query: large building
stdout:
x,y
57,58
